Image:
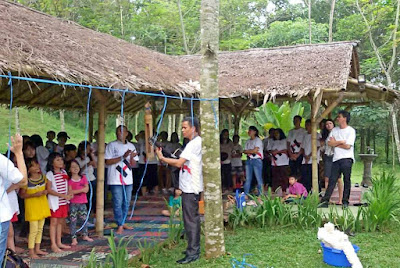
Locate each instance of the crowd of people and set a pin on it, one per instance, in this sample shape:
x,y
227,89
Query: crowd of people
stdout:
x,y
279,161
54,180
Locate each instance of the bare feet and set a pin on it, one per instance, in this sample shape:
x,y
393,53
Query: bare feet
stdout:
x,y
120,230
56,249
74,242
41,252
34,256
87,238
62,246
127,227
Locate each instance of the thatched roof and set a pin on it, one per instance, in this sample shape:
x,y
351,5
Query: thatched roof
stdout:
x,y
39,45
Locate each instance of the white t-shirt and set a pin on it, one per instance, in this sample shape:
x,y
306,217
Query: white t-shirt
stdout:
x,y
89,172
191,174
13,199
295,138
119,173
226,148
237,162
306,145
42,154
251,144
9,174
279,159
347,134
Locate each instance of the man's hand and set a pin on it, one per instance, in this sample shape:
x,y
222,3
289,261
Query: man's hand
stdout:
x,y
159,153
16,144
128,152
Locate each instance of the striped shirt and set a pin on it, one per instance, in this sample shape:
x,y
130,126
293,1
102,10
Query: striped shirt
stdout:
x,y
61,182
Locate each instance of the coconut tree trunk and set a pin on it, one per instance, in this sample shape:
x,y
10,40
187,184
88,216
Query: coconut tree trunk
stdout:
x,y
183,28
214,228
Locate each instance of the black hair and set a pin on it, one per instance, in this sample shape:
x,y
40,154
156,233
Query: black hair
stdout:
x,y
308,121
37,140
28,144
69,147
174,137
50,160
51,132
193,122
163,135
297,116
325,132
123,126
68,167
271,130
345,114
222,134
235,136
82,148
281,134
29,162
254,129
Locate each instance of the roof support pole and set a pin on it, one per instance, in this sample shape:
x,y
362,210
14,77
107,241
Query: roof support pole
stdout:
x,y
90,135
100,164
315,105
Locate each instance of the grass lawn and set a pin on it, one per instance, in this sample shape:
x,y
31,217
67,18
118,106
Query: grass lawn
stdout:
x,y
288,247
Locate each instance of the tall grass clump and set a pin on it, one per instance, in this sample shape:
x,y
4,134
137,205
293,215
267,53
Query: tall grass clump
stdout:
x,y
383,202
307,214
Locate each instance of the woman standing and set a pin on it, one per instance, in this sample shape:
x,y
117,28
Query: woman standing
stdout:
x,y
226,147
254,151
328,158
280,161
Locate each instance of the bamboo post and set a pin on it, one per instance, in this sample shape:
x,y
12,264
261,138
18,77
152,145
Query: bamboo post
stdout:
x,y
100,166
314,149
148,130
91,114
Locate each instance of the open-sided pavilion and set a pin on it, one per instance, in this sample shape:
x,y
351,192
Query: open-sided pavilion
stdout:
x,y
39,47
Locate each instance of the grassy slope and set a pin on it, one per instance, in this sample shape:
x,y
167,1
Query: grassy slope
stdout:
x,y
289,247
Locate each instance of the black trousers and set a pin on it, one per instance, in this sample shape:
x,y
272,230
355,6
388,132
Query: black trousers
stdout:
x,y
267,171
191,222
306,176
226,176
342,166
295,166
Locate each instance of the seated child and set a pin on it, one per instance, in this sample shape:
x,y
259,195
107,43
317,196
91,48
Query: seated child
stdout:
x,y
296,190
174,204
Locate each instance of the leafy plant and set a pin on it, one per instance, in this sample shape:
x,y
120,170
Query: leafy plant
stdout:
x,y
307,214
175,229
146,250
119,254
383,202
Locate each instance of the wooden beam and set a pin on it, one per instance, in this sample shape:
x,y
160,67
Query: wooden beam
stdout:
x,y
331,107
315,104
317,101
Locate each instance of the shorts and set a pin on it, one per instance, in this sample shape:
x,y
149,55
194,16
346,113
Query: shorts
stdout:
x,y
237,171
327,165
61,212
14,218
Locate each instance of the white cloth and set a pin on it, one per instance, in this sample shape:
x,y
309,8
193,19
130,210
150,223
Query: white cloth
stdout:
x,y
329,150
251,144
237,162
89,172
9,174
282,159
347,134
295,138
226,148
13,199
191,174
142,152
42,154
306,145
54,201
95,147
120,172
267,142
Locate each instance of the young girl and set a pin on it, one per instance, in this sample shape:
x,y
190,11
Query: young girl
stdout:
x,y
78,186
36,207
296,190
58,199
174,204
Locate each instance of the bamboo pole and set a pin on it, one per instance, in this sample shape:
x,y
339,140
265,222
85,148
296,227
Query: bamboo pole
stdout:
x,y
100,166
91,114
314,149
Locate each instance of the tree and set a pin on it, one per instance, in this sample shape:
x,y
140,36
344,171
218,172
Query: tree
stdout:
x,y
331,14
214,228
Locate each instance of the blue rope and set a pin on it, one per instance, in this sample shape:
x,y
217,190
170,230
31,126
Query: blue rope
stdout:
x,y
147,160
106,88
241,264
192,114
122,129
86,168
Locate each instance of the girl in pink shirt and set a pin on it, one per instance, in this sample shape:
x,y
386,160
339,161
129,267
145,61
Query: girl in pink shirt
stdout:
x,y
78,186
296,189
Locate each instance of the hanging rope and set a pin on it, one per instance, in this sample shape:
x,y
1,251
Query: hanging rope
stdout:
x,y
86,166
147,160
242,264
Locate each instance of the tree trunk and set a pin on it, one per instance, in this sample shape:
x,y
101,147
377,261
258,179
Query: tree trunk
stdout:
x,y
169,124
214,228
331,15
174,123
395,131
62,120
309,21
136,123
183,28
41,115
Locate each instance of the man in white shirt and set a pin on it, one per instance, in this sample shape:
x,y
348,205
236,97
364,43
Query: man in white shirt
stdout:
x,y
10,174
120,157
294,140
191,184
342,138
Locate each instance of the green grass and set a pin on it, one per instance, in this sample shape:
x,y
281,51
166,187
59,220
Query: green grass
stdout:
x,y
288,247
